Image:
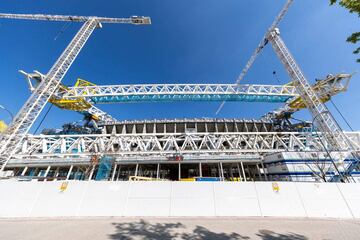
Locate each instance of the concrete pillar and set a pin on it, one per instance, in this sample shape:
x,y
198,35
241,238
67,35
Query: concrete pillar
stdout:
x,y
221,172
265,174
118,174
136,169
179,171
259,172
56,173
24,171
158,171
92,172
69,172
114,172
243,170
47,171
200,169
36,172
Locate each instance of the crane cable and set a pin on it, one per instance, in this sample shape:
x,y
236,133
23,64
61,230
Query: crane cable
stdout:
x,y
42,120
342,116
261,45
348,124
62,30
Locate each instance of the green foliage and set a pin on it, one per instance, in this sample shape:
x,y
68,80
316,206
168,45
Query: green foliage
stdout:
x,y
354,38
354,7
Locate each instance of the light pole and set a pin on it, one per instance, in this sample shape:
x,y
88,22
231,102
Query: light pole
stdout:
x,y
8,111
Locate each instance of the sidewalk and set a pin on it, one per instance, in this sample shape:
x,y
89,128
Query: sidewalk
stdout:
x,y
179,228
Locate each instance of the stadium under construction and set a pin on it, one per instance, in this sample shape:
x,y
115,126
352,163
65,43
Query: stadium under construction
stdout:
x,y
274,147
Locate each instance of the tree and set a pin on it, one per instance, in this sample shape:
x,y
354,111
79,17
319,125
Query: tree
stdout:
x,y
354,7
320,168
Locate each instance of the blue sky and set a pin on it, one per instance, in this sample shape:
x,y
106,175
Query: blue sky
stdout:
x,y
189,41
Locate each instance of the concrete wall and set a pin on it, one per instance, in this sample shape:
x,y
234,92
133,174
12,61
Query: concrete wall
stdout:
x,y
45,199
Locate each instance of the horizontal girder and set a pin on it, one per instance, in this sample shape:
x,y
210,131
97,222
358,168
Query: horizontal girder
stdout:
x,y
46,147
44,17
181,92
148,159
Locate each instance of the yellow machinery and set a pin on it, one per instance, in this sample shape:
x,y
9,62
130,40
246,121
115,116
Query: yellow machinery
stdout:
x,y
79,104
325,89
327,85
188,179
138,178
3,126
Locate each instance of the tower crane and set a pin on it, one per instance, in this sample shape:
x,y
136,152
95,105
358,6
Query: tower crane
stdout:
x,y
25,118
328,126
334,136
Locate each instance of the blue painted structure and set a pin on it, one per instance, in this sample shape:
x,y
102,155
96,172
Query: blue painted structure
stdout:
x,y
104,168
190,97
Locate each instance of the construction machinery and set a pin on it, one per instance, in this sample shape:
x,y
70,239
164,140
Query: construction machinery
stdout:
x,y
27,115
324,88
206,148
3,126
84,94
337,143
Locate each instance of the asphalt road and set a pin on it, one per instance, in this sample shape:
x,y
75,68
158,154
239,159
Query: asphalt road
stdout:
x,y
179,228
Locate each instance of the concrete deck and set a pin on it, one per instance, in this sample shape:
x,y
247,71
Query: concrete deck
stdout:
x,y
179,228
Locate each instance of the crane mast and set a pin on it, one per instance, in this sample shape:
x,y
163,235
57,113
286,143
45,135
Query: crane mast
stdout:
x,y
335,138
25,118
10,141
329,128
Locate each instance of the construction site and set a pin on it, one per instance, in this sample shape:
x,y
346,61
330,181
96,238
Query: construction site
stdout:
x,y
275,158
277,165
276,148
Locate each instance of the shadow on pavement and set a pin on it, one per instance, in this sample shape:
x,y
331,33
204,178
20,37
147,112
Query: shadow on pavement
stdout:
x,y
157,231
270,235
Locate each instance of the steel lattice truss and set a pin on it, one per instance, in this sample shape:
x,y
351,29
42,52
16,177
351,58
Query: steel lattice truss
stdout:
x,y
178,92
68,18
324,89
326,122
40,96
103,116
44,147
34,105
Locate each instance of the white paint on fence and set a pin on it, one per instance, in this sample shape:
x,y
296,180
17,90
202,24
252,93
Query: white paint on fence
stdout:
x,y
45,199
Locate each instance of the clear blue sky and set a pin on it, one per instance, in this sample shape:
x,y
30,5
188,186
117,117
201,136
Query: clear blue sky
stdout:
x,y
189,41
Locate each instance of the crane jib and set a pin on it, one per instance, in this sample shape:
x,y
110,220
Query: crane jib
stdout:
x,y
137,20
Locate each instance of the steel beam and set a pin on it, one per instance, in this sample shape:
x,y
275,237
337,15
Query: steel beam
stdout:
x,y
78,149
180,92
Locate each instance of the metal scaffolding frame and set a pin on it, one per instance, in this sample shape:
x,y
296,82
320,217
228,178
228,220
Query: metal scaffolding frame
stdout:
x,y
155,145
16,145
180,92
